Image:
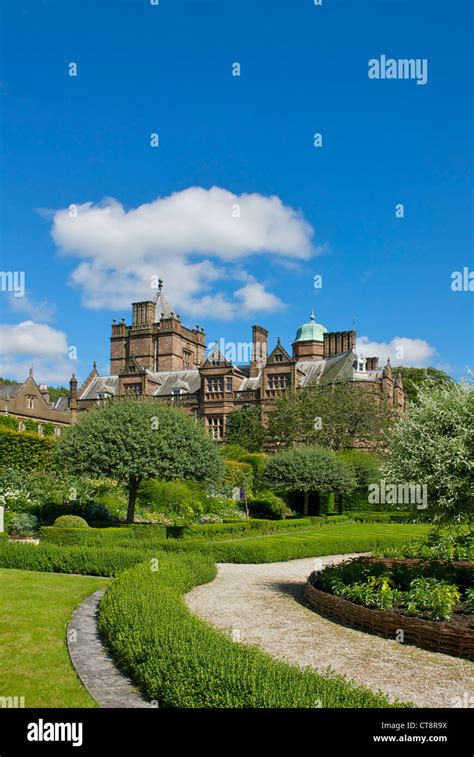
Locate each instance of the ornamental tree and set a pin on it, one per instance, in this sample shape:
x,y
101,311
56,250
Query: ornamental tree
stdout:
x,y
245,428
434,446
335,415
130,440
309,470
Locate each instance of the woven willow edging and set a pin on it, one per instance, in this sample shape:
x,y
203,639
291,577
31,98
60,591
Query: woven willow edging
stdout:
x,y
428,634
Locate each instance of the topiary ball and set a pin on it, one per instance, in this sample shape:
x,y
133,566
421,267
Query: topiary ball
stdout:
x,y
70,521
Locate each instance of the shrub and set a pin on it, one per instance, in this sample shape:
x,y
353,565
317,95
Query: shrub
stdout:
x,y
435,597
125,536
50,558
180,661
22,524
25,450
469,599
70,521
268,505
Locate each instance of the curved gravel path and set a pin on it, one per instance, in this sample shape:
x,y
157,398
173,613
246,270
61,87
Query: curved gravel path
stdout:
x,y
106,683
261,604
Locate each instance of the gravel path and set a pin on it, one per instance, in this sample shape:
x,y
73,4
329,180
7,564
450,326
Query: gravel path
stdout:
x,y
261,604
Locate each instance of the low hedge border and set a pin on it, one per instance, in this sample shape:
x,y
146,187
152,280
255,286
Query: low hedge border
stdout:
x,y
52,558
426,634
180,661
132,537
255,526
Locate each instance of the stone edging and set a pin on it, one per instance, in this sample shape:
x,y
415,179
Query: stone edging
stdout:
x,y
423,633
106,683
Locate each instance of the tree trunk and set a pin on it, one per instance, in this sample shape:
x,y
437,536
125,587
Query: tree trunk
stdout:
x,y
317,497
305,506
132,497
339,504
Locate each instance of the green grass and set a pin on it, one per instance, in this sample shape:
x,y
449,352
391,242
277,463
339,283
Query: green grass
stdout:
x,y
180,661
345,538
34,611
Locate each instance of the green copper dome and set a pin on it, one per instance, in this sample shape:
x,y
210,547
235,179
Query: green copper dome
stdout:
x,y
311,331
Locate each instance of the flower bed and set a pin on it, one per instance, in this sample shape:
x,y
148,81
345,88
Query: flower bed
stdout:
x,y
430,604
428,634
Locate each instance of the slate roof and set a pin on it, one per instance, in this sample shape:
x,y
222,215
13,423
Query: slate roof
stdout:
x,y
9,390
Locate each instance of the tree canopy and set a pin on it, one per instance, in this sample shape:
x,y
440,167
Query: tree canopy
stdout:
x,y
434,447
129,440
309,470
245,428
413,378
331,415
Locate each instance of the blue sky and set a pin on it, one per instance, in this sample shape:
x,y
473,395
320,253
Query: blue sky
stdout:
x,y
141,69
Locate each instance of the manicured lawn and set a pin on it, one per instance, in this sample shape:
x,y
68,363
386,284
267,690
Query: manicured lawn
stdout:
x,y
34,611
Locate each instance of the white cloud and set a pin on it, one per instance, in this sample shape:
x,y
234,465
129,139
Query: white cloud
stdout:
x,y
42,311
401,350
190,239
27,344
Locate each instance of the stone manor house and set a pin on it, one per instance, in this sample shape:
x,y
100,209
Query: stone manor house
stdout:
x,y
158,356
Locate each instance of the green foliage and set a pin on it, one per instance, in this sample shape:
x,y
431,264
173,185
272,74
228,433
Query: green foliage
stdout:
x,y
276,547
267,505
70,521
335,415
436,546
309,470
51,558
377,591
179,498
434,446
418,590
238,474
55,392
245,428
435,597
22,524
428,378
129,440
258,461
25,449
123,537
9,421
469,599
180,661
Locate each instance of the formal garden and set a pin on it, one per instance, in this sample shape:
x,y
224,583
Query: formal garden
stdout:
x,y
138,499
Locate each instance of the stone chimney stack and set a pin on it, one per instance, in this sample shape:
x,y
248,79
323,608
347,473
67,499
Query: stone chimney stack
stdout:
x,y
259,350
72,401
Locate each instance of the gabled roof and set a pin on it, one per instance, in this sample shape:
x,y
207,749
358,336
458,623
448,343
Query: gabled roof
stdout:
x,y
279,350
132,366
216,360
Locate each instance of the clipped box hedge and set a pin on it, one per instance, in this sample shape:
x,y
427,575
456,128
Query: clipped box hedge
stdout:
x,y
132,537
179,661
52,558
254,526
25,449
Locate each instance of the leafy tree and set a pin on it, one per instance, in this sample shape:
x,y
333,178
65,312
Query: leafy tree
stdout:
x,y
434,446
130,440
245,428
55,392
332,415
310,470
413,378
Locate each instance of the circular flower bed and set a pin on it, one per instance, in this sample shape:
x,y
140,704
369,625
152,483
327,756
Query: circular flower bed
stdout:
x,y
430,604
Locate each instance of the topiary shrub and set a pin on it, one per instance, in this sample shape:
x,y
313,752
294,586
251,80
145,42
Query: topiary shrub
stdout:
x,y
70,521
268,505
